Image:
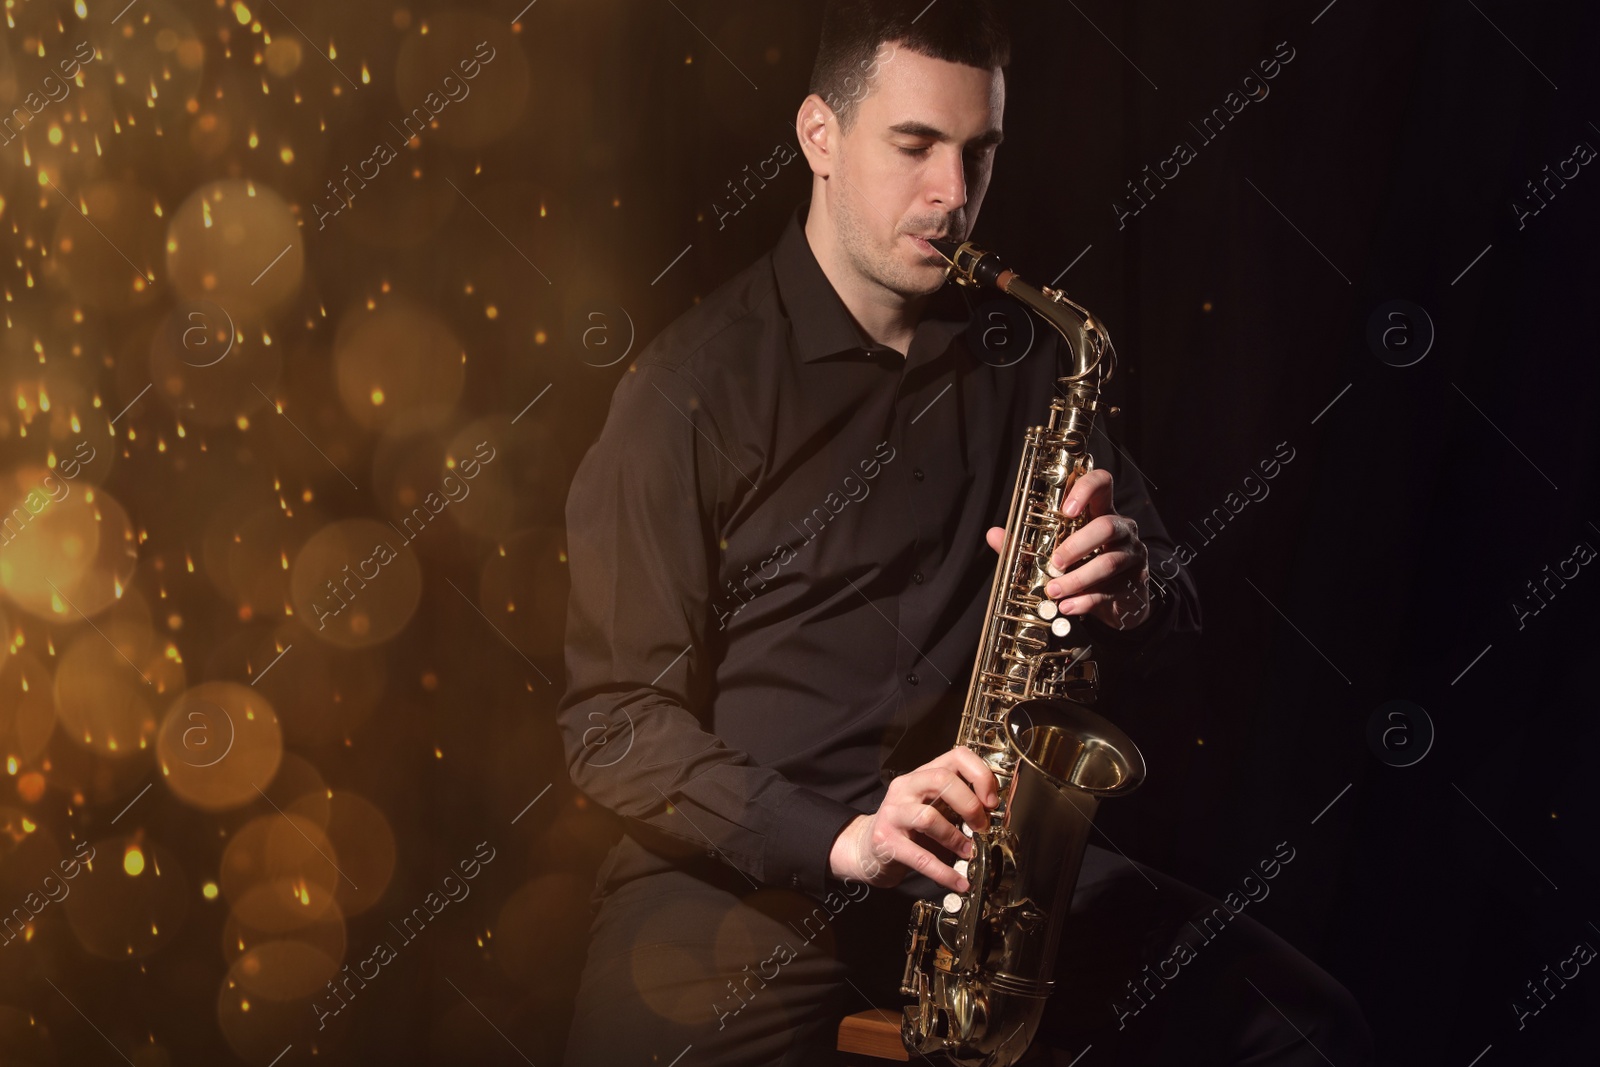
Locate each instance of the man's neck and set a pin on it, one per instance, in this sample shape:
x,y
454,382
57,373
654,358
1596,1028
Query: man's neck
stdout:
x,y
884,316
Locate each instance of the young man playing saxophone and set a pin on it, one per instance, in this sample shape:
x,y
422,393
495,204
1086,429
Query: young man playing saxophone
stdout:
x,y
781,549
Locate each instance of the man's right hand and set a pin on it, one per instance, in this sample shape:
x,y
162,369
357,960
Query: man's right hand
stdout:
x,y
882,848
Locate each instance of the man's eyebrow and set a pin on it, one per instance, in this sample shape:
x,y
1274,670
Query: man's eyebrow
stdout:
x,y
912,128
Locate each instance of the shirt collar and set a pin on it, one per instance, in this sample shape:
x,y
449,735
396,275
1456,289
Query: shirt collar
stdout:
x,y
823,326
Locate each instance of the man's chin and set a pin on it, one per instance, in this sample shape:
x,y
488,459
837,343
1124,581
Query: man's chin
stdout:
x,y
915,287
930,276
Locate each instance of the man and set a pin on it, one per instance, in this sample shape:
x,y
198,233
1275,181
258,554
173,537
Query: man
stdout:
x,y
779,575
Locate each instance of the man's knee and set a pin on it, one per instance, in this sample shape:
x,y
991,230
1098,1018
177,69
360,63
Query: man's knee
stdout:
x,y
1317,1022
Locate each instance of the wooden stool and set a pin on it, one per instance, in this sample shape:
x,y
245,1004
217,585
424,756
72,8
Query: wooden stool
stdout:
x,y
874,1034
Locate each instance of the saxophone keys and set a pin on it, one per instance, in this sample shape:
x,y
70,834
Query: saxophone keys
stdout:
x,y
952,902
1061,627
1047,610
960,867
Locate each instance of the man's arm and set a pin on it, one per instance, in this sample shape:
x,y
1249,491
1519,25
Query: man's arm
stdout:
x,y
1173,597
641,531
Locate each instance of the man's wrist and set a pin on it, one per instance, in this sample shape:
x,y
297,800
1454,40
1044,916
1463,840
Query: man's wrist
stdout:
x,y
842,861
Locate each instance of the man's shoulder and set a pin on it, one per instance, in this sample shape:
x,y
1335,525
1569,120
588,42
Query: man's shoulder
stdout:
x,y
723,331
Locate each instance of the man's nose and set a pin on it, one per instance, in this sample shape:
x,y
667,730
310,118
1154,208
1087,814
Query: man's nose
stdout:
x,y
948,186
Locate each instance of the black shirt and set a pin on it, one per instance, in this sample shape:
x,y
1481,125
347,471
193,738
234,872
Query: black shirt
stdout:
x,y
779,570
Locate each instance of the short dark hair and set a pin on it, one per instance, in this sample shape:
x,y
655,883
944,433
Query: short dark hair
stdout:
x,y
957,31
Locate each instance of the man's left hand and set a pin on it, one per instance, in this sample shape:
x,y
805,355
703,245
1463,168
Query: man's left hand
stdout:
x,y
1114,584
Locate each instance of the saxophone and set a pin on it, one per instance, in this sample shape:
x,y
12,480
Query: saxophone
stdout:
x,y
979,963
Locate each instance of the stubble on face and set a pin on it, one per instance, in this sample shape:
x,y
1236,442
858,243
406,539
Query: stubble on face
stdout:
x,y
885,266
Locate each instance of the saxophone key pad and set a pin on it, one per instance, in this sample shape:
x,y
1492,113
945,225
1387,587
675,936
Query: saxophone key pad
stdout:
x,y
952,902
1047,610
1061,627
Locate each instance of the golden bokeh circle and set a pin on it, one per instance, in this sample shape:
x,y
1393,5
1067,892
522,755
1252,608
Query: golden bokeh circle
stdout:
x,y
129,901
282,970
355,583
283,56
219,745
293,857
111,680
365,844
102,697
237,243
75,555
398,359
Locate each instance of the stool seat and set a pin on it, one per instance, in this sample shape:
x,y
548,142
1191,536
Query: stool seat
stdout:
x,y
874,1033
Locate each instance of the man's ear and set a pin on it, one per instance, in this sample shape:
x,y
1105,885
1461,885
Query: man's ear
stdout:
x,y
818,129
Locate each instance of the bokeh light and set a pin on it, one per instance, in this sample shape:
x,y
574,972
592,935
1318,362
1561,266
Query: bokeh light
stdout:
x,y
219,399
398,360
130,899
219,745
355,583
74,550
237,243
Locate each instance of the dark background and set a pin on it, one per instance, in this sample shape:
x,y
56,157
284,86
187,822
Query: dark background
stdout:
x,y
1383,566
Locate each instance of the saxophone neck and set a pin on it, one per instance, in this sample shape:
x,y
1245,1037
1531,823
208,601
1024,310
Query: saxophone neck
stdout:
x,y
1093,358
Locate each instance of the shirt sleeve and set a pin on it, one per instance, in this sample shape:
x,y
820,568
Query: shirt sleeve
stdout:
x,y
642,519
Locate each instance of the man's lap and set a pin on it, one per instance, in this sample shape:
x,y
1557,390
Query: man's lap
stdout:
x,y
761,977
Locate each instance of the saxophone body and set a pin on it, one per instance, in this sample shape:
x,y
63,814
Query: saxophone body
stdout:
x,y
980,963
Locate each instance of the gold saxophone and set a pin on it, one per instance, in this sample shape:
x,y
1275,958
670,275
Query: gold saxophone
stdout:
x,y
980,962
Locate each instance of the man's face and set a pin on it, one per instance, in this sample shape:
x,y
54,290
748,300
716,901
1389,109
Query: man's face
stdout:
x,y
915,163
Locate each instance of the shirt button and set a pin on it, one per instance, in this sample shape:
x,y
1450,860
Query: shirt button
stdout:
x,y
916,472
912,678
917,577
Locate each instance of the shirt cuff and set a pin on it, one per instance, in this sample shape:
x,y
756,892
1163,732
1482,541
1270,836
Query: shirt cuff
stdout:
x,y
1134,641
796,852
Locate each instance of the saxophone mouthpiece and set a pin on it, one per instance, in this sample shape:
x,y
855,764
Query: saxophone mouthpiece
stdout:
x,y
975,267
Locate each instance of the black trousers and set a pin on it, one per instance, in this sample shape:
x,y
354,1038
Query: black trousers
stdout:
x,y
1151,972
